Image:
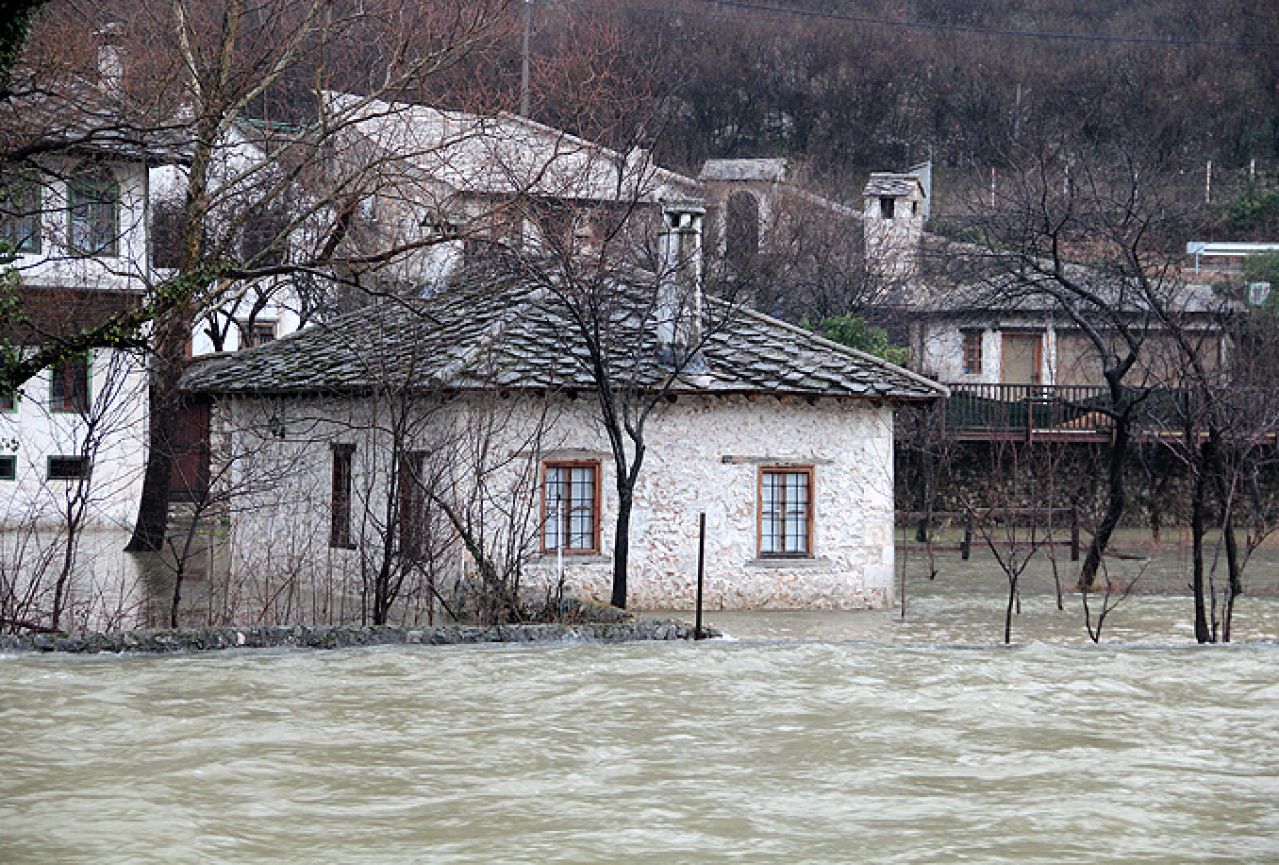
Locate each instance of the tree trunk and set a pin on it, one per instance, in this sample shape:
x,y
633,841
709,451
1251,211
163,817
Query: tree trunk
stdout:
x,y
162,405
1115,503
1235,586
621,546
1202,633
1008,611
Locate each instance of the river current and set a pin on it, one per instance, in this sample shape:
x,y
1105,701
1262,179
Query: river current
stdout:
x,y
809,738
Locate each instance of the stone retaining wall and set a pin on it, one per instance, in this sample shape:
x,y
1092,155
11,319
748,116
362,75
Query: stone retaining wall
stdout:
x,y
301,637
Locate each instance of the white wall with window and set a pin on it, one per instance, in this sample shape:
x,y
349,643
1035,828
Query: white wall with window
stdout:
x,y
75,232
76,429
798,496
77,222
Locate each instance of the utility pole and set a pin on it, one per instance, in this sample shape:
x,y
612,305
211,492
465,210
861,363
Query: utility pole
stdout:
x,y
528,25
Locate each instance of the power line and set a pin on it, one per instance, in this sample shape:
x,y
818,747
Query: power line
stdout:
x,y
965,29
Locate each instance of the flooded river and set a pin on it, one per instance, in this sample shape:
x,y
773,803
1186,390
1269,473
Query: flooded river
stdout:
x,y
811,738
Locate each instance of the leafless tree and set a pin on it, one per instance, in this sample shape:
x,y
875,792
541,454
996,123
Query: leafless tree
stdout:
x,y
1082,236
193,78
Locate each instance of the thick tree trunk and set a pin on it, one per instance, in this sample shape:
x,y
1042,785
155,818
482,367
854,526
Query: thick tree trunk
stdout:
x,y
162,406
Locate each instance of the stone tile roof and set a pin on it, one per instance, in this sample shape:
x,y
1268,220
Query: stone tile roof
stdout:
x,y
503,154
961,278
896,185
516,337
771,170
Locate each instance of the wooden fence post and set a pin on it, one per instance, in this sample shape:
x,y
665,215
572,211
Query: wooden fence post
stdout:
x,y
966,548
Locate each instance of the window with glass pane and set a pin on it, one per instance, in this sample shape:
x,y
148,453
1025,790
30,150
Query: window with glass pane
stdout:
x,y
785,512
93,198
570,501
69,385
19,214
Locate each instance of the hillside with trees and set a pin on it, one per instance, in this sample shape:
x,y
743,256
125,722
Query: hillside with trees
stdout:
x,y
846,88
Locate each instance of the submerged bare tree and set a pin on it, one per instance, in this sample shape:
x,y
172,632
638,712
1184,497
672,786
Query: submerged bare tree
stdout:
x,y
1083,236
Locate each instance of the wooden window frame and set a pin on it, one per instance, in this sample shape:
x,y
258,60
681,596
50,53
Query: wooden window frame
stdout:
x,y
974,358
410,505
340,500
249,335
596,509
70,403
8,467
809,511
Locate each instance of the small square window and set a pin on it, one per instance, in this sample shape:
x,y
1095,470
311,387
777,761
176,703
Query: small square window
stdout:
x,y
69,385
8,401
786,512
972,352
68,468
571,507
259,333
887,205
8,467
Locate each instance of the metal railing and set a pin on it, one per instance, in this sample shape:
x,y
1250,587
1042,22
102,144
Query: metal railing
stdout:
x,y
1027,408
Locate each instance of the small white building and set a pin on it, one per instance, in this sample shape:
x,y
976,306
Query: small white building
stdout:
x,y
386,430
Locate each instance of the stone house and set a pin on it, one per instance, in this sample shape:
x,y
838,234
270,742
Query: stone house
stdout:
x,y
388,429
450,186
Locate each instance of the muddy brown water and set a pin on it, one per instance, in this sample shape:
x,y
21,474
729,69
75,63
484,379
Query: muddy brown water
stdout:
x,y
808,738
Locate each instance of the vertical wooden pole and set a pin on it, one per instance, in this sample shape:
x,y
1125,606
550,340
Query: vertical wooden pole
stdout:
x,y
1074,533
967,547
701,570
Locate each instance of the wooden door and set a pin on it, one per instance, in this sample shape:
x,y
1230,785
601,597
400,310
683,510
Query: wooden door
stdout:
x,y
1022,358
189,479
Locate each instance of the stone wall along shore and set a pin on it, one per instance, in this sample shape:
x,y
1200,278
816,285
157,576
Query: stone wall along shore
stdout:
x,y
304,637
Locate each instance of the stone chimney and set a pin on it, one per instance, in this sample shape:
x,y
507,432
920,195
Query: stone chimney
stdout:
x,y
110,57
679,280
893,213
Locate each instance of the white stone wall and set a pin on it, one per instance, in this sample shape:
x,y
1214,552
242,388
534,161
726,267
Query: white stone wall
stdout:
x,y
56,264
943,349
849,445
704,454
33,432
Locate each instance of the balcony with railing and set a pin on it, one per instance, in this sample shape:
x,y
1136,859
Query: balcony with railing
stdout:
x,y
1027,411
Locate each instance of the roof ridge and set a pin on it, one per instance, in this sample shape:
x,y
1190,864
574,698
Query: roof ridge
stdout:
x,y
839,348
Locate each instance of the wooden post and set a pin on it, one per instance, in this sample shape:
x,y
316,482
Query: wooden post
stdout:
x,y
967,546
1074,533
701,569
